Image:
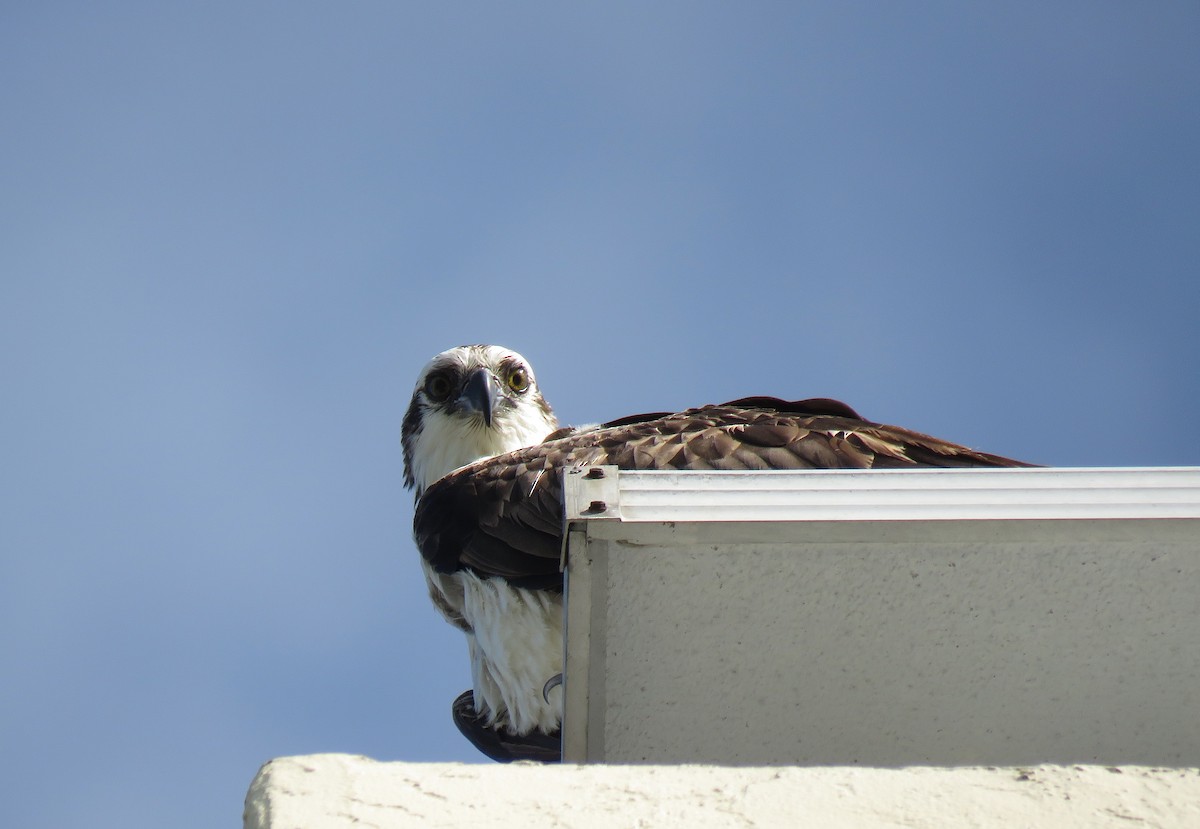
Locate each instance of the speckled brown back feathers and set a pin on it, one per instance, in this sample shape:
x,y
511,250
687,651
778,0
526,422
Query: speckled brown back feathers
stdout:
x,y
503,516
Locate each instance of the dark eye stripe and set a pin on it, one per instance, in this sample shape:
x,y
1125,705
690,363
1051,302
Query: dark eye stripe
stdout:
x,y
437,386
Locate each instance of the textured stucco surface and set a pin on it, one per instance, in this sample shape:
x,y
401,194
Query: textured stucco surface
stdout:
x,y
338,791
932,644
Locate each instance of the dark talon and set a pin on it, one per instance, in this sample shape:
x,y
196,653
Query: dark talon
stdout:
x,y
500,745
551,683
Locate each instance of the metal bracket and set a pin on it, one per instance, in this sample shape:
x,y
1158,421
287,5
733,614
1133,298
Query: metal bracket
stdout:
x,y
591,492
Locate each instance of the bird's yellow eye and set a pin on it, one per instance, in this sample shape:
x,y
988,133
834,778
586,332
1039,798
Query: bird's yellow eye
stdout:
x,y
437,387
518,379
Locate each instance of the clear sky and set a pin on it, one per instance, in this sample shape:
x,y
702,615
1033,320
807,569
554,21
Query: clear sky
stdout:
x,y
232,233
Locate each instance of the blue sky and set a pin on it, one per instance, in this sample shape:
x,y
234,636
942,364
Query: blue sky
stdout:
x,y
232,233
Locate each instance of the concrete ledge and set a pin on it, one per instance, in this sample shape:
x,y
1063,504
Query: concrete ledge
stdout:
x,y
338,791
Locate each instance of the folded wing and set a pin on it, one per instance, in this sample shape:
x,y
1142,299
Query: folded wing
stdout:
x,y
503,516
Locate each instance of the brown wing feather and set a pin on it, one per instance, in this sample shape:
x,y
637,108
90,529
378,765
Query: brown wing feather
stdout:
x,y
503,516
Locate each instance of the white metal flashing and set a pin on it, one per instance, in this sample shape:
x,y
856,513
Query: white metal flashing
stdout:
x,y
882,495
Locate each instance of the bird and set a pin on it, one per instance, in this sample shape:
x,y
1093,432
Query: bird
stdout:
x,y
470,403
483,453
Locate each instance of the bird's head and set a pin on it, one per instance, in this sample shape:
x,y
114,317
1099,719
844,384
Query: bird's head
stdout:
x,y
471,402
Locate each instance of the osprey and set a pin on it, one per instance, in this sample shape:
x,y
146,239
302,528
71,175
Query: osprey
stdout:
x,y
483,451
471,403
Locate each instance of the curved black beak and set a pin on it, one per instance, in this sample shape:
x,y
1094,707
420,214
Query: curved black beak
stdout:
x,y
479,394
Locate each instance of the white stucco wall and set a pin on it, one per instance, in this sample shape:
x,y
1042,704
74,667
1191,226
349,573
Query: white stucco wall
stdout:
x,y
891,619
337,791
